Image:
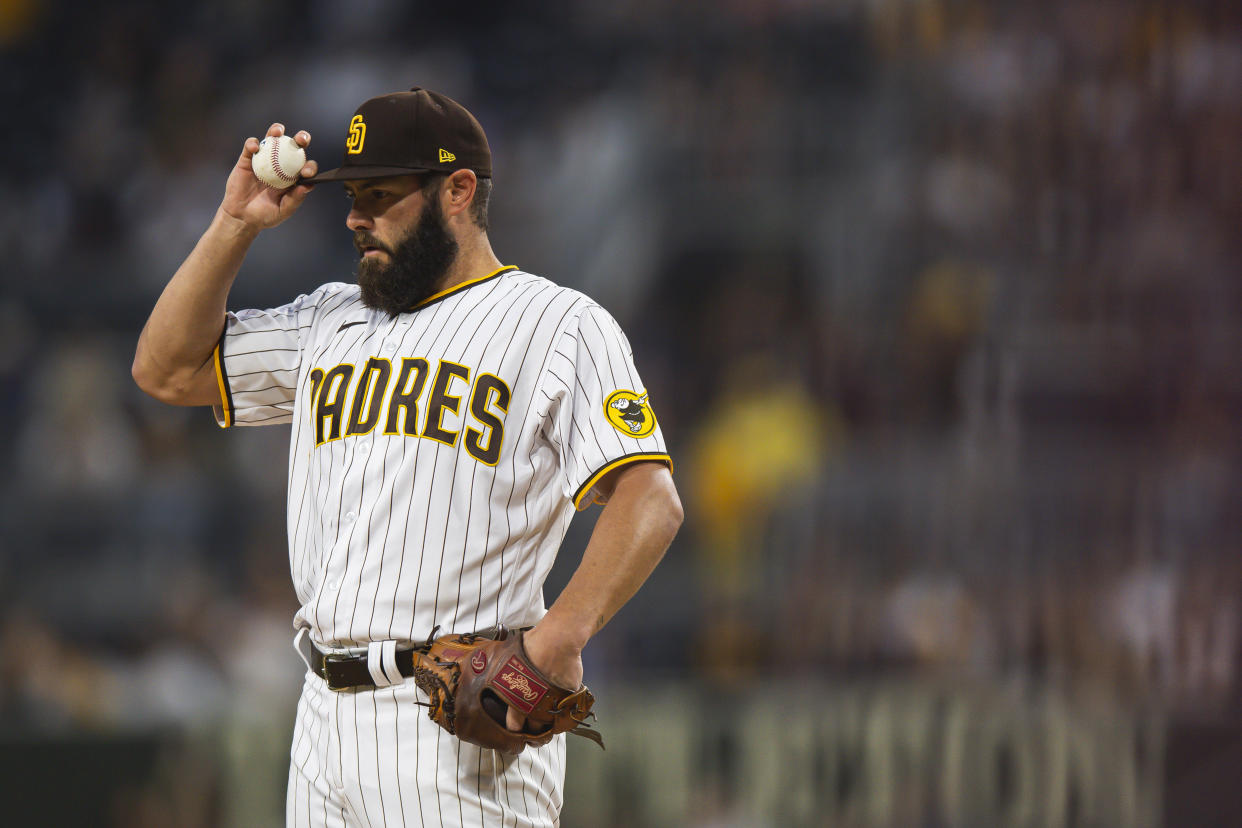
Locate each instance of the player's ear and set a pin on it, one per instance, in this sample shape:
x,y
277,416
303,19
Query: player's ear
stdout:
x,y
459,191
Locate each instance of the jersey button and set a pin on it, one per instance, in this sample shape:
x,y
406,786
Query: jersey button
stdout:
x,y
363,448
349,517
334,584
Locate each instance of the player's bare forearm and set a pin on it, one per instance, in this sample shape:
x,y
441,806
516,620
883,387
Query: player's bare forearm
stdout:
x,y
637,525
173,359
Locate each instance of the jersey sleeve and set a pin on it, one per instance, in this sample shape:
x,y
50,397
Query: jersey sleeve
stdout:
x,y
600,417
259,359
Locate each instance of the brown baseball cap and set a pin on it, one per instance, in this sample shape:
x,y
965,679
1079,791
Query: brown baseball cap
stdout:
x,y
409,132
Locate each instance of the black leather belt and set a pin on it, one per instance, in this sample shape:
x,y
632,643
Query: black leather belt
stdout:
x,y
344,672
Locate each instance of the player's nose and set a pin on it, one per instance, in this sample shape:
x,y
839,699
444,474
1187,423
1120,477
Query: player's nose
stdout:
x,y
358,220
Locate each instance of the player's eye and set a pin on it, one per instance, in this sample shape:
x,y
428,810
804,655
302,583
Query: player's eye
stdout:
x,y
370,194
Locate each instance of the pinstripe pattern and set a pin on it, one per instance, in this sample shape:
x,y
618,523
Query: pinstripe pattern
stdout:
x,y
393,534
364,779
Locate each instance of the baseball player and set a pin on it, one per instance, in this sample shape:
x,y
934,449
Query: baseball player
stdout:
x,y
448,415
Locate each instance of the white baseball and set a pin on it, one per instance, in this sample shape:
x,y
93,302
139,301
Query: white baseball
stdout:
x,y
278,161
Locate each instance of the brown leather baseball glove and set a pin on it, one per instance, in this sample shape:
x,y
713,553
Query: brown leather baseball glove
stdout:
x,y
472,679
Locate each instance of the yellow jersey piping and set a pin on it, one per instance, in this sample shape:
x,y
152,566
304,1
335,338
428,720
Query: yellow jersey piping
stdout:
x,y
226,395
436,297
586,487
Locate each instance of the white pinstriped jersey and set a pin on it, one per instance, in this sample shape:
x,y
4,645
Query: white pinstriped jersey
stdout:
x,y
436,458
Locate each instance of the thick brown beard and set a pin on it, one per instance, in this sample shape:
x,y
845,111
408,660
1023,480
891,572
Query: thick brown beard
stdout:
x,y
416,269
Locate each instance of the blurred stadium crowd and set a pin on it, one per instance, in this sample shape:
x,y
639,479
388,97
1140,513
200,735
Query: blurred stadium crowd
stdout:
x,y
937,302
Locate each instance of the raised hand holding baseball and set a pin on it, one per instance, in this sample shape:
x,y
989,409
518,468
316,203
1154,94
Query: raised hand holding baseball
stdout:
x,y
263,188
278,162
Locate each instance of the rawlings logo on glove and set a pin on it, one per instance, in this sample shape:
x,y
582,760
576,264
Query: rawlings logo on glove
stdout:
x,y
472,704
516,686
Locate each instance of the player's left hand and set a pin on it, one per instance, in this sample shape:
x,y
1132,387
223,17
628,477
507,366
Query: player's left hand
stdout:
x,y
559,659
473,680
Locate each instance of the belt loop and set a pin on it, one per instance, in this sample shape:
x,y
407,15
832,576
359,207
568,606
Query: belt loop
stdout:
x,y
375,663
389,662
302,645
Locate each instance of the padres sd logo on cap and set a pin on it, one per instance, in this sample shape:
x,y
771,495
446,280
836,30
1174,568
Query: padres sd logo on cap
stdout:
x,y
411,132
630,413
357,134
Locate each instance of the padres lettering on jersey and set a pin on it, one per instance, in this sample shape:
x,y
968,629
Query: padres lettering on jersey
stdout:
x,y
370,399
436,458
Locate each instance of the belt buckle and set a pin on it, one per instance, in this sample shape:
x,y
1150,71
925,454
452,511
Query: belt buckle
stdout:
x,y
329,658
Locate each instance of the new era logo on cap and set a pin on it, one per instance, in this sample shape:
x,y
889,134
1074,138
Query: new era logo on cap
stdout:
x,y
407,132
